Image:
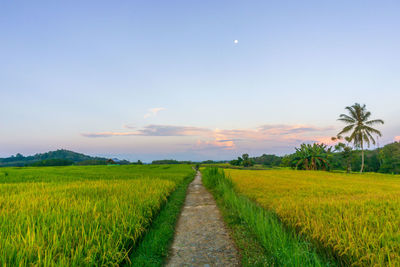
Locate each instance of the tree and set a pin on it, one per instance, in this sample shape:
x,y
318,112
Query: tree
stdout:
x,y
247,162
359,128
110,162
236,162
244,161
268,160
390,157
311,157
345,150
302,157
287,161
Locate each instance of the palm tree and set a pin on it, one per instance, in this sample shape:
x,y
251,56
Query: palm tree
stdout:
x,y
359,127
301,157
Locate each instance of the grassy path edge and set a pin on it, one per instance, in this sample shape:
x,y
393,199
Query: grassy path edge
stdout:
x,y
261,237
154,248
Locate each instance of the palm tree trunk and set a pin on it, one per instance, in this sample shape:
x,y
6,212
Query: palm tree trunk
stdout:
x,y
362,158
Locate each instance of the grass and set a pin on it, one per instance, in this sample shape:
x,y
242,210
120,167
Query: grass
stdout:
x,y
153,249
74,216
267,241
251,251
354,218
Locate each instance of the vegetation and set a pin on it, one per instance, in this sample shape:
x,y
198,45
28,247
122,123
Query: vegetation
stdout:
x,y
165,161
343,157
268,160
354,218
359,126
53,162
244,161
92,162
71,216
172,161
389,157
311,157
214,161
345,150
50,158
276,245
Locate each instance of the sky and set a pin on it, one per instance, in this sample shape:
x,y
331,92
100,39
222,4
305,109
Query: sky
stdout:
x,y
166,79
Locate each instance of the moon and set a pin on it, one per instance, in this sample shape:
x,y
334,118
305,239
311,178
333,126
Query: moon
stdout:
x,y
235,41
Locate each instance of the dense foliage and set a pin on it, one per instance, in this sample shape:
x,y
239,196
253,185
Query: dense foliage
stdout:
x,y
52,162
384,160
244,161
19,160
92,162
311,157
165,161
268,160
389,157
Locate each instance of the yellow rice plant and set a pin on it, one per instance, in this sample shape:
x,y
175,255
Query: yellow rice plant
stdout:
x,y
92,223
355,217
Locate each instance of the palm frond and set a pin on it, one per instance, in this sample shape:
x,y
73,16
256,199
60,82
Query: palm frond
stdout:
x,y
346,129
347,119
366,139
372,130
371,138
352,112
372,122
366,115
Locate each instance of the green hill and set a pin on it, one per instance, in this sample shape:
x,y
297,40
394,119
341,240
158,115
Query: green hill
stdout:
x,y
52,158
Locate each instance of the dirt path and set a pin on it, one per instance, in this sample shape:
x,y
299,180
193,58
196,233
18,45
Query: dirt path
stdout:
x,y
201,238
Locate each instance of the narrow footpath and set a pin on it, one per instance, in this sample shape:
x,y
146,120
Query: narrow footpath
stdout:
x,y
201,238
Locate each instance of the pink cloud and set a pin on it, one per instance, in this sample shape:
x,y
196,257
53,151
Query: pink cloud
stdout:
x,y
265,135
279,133
220,140
397,138
327,140
156,130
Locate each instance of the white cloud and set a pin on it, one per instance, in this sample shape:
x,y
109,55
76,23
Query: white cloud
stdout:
x,y
153,112
129,126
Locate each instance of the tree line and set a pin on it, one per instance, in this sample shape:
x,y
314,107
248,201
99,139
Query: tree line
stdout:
x,y
349,153
322,157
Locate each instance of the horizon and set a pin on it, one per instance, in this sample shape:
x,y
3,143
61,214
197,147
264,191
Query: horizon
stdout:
x,y
192,81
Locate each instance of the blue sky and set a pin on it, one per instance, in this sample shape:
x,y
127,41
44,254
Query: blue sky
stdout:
x,y
164,79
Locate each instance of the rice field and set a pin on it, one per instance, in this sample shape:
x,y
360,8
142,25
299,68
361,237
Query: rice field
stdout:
x,y
355,218
74,216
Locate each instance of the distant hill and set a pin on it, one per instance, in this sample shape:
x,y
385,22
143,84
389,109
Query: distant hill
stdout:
x,y
61,156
